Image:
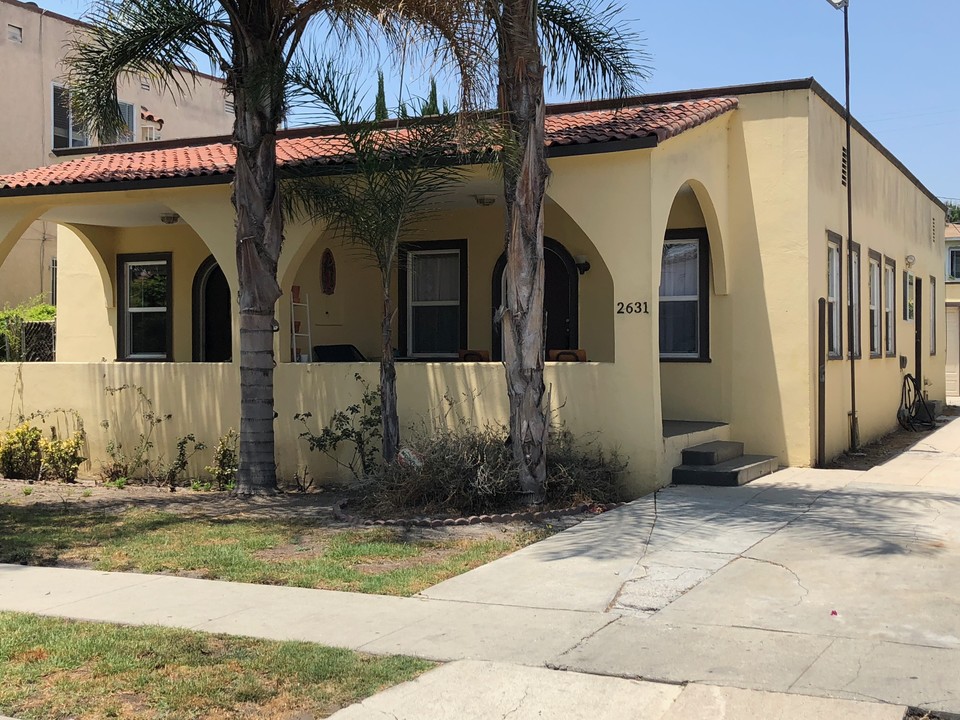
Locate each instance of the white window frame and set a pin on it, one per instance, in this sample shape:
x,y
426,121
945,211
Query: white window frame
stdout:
x,y
131,135
853,300
686,298
876,326
412,256
71,140
128,311
890,308
910,297
835,338
933,315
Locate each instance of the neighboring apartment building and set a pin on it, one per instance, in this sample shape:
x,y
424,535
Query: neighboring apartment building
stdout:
x,y
952,238
36,127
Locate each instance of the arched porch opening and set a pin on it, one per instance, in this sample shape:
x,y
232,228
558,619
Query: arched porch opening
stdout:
x,y
693,335
212,314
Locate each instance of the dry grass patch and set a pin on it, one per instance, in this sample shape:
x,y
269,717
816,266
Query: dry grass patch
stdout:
x,y
387,561
88,671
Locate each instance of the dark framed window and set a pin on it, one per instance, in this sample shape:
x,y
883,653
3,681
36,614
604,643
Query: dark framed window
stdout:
x,y
853,299
875,300
953,264
145,306
685,296
432,286
834,291
890,306
67,131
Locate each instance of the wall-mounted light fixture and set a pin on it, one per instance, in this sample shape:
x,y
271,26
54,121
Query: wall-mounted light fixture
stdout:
x,y
582,263
910,260
485,200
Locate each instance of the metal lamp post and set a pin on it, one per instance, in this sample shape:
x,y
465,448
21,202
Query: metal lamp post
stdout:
x,y
854,420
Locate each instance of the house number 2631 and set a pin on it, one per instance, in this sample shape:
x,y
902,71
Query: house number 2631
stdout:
x,y
632,308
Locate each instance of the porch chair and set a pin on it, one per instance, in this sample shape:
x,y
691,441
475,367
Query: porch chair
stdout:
x,y
577,355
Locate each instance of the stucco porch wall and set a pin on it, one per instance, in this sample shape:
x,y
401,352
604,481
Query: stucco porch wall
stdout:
x,y
203,400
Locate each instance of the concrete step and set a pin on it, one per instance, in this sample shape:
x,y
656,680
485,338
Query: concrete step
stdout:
x,y
712,453
738,471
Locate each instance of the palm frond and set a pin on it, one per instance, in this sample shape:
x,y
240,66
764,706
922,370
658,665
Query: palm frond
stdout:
x,y
148,37
587,48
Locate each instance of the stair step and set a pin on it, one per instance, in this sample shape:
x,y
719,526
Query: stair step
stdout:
x,y
712,453
738,471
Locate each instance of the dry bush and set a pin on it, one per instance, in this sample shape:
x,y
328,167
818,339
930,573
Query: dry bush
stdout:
x,y
471,471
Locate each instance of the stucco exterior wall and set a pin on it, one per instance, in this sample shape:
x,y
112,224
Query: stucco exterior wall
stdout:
x,y
30,70
894,218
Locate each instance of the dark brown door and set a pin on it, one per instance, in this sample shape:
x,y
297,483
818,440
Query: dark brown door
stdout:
x,y
557,312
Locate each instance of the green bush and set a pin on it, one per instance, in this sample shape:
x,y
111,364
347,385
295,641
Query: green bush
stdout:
x,y
61,459
12,319
226,462
20,453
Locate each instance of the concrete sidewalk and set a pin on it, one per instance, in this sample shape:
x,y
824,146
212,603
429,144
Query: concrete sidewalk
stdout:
x,y
834,584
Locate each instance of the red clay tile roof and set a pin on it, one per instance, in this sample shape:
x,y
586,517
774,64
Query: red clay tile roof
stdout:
x,y
300,149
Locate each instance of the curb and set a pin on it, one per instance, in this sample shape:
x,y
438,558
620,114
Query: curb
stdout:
x,y
530,516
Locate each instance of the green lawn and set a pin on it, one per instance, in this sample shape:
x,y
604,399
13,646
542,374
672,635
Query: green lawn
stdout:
x,y
386,561
54,668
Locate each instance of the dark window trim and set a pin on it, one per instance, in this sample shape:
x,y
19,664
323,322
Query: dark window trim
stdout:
x,y
933,316
122,304
836,239
199,285
700,235
857,350
874,256
402,292
549,245
891,263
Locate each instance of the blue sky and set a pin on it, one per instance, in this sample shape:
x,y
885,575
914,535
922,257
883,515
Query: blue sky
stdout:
x,y
903,62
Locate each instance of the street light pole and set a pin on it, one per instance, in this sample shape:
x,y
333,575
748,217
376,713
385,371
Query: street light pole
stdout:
x,y
854,420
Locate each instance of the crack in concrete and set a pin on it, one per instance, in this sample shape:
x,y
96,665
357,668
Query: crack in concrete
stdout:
x,y
812,663
577,645
526,693
804,588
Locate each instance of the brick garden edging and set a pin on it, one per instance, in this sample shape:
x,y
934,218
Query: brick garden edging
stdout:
x,y
529,516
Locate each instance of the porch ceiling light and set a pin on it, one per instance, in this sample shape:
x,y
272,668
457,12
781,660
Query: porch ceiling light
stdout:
x,y
169,218
485,200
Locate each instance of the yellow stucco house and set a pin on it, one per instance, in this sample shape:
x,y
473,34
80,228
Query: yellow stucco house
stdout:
x,y
690,238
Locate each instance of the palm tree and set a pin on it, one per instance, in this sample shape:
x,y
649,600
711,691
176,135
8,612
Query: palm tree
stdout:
x,y
390,187
253,43
586,50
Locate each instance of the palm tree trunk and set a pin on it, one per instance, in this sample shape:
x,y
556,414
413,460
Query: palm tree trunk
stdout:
x,y
256,198
525,177
388,383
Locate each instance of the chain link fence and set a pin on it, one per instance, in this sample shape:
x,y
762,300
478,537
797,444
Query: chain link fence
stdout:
x,y
28,341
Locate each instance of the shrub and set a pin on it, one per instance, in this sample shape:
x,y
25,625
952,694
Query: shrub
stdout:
x,y
169,473
470,471
359,425
20,453
61,459
135,461
225,462
12,320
